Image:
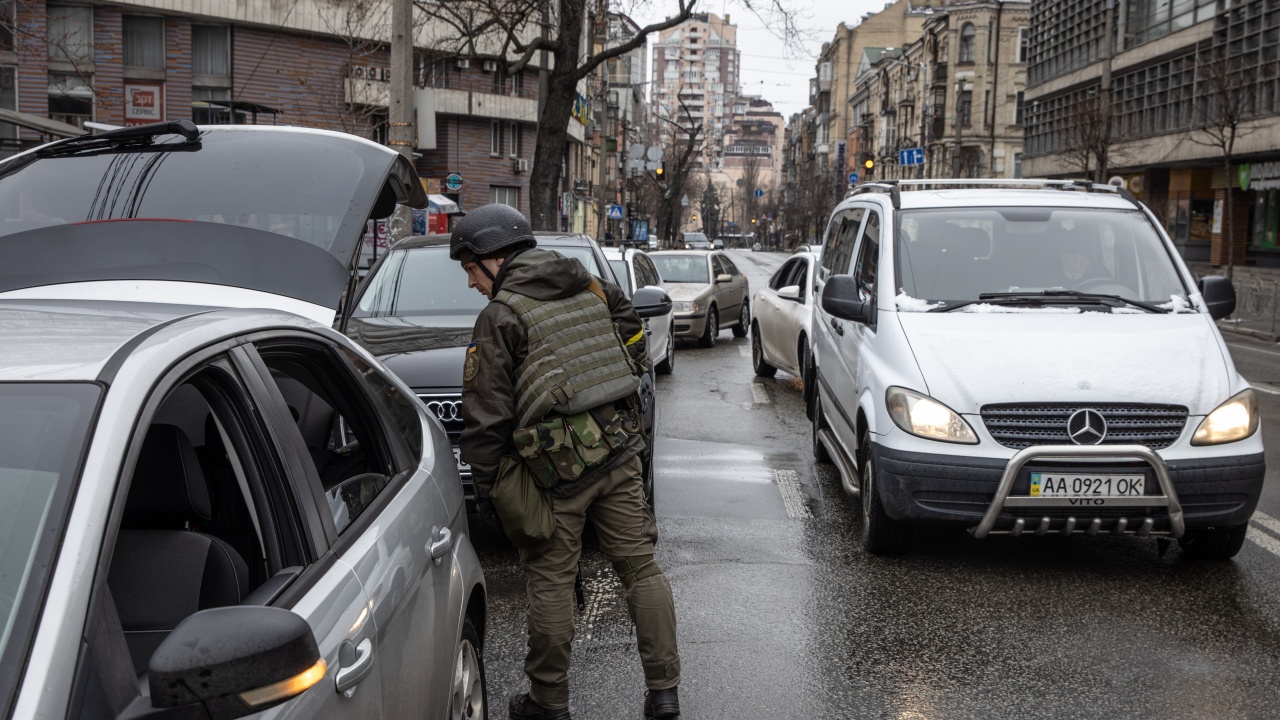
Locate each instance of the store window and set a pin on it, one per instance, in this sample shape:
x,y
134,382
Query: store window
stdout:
x,y
505,195
210,74
143,42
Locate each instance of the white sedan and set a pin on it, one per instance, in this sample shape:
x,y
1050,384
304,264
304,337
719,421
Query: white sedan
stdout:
x,y
780,333
635,270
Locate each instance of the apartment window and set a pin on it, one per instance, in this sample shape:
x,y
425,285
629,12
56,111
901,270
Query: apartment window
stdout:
x,y
986,107
211,51
144,42
1018,110
495,138
967,36
1017,165
70,34
964,108
516,145
1022,44
505,195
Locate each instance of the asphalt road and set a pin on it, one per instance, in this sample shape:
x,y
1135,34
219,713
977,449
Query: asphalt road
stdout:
x,y
781,614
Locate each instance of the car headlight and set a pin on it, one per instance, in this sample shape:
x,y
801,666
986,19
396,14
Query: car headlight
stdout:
x,y
925,417
685,306
1235,419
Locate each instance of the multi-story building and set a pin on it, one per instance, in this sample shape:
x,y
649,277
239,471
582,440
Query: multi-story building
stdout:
x,y
1147,102
955,93
695,79
751,158
624,123
312,63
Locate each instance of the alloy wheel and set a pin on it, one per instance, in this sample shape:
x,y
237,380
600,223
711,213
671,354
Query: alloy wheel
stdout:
x,y
467,702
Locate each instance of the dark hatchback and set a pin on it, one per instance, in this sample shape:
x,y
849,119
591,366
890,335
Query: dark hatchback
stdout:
x,y
415,313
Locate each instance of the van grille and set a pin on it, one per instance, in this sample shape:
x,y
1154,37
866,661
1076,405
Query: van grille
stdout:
x,y
1020,425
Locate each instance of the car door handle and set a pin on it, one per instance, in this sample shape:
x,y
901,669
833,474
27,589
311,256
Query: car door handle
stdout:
x,y
443,540
350,675
837,327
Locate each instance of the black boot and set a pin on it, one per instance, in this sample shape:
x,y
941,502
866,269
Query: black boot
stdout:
x,y
523,707
661,704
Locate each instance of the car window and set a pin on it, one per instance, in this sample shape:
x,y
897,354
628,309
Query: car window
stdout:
x,y
729,267
624,277
717,266
419,281
582,254
868,257
682,268
344,438
645,271
397,405
797,276
782,278
840,244
44,428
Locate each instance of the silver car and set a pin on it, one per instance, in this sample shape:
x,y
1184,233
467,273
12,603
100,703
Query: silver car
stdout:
x,y
211,511
780,332
709,292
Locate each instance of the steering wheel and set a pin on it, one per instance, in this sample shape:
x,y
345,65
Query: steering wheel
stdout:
x,y
1092,283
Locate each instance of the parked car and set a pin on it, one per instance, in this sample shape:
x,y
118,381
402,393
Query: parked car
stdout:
x,y
1028,360
780,331
696,241
717,244
634,270
415,313
757,247
217,510
706,288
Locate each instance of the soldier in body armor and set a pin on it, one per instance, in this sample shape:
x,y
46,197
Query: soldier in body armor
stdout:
x,y
550,401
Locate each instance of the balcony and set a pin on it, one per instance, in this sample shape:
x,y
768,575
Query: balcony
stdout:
x,y
939,74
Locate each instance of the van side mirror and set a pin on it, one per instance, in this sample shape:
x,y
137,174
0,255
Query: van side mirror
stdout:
x,y
840,298
651,302
229,662
1219,296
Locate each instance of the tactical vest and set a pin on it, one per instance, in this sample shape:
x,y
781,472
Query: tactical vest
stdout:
x,y
576,361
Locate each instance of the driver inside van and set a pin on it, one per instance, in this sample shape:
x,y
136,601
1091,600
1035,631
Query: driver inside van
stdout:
x,y
1078,256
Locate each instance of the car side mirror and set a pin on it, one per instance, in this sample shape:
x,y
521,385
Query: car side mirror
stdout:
x,y
840,298
790,292
651,302
724,278
234,661
1219,296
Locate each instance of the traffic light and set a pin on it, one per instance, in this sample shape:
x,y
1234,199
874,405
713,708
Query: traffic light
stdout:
x,y
753,221
870,164
662,168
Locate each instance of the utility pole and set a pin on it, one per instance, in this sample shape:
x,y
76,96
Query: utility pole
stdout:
x,y
1104,97
400,133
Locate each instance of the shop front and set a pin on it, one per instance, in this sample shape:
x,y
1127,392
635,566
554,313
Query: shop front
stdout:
x,y
1262,180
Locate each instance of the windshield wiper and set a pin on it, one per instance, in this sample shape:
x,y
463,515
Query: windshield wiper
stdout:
x,y
1076,295
990,299
130,139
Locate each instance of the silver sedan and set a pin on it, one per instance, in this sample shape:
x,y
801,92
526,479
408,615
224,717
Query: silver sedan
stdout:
x,y
709,292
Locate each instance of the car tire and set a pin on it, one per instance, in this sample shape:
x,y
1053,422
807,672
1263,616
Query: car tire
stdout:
x,y
819,424
808,379
744,321
881,534
758,363
1216,543
669,362
469,696
711,329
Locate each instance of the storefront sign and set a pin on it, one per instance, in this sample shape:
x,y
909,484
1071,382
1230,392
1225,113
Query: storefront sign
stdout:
x,y
1262,176
1217,217
143,103
431,185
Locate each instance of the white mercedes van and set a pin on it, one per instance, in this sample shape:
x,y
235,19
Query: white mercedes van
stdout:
x,y
1027,357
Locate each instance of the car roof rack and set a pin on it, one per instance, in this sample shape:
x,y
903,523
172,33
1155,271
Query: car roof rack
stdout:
x,y
893,187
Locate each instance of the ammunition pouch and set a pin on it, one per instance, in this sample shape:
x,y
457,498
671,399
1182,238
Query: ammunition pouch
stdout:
x,y
564,448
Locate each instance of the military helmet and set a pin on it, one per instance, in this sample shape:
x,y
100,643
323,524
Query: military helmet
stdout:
x,y
488,230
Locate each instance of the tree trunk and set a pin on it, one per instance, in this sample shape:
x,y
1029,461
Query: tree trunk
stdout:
x,y
553,119
1228,230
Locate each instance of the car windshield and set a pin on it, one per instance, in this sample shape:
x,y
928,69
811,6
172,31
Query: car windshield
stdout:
x,y
967,254
43,431
290,184
419,281
691,237
682,268
620,272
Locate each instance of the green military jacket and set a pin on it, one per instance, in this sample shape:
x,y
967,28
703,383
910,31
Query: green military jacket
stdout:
x,y
500,344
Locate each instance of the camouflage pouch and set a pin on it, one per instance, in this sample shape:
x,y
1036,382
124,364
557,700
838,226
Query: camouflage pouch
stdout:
x,y
522,506
529,444
589,439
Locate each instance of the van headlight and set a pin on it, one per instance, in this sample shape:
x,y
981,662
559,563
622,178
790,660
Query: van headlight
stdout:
x,y
1235,419
925,417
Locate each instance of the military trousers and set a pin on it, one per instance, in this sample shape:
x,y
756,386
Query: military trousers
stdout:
x,y
627,532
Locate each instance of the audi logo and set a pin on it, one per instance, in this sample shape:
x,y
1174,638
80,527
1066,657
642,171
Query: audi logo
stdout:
x,y
446,410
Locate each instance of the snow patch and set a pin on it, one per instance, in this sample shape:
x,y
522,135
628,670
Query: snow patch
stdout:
x,y
988,309
906,303
1177,304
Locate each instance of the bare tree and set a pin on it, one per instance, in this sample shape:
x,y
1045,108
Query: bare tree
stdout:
x,y
69,49
682,143
1087,141
1227,100
750,182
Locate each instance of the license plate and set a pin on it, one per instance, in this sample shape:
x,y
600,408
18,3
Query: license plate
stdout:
x,y
457,456
1068,486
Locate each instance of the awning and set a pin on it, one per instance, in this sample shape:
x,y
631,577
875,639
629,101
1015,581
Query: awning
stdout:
x,y
40,124
441,205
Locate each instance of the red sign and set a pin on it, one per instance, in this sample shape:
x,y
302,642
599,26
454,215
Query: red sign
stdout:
x,y
143,103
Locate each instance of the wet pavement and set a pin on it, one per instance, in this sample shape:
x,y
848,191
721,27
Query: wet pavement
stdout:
x,y
782,615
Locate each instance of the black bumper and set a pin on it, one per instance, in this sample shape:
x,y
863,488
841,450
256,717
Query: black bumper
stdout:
x,y
946,489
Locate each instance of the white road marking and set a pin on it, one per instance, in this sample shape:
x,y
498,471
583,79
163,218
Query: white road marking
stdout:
x,y
1233,346
744,351
1266,521
1265,541
762,397
792,495
1265,387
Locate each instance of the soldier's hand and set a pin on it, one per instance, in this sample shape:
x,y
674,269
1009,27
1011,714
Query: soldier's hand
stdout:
x,y
488,516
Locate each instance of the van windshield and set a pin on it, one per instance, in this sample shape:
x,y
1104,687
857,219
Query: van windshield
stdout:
x,y
962,254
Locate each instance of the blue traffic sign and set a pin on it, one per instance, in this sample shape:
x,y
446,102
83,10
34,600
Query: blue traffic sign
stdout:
x,y
453,182
615,212
911,156
759,192
853,178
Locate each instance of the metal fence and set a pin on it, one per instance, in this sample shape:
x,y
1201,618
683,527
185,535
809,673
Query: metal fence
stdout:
x,y
1257,300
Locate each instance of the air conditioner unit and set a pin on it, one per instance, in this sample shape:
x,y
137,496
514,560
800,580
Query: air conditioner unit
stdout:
x,y
462,63
519,165
490,66
357,72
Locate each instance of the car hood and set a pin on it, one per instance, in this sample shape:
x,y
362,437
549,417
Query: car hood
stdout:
x,y
969,360
425,352
684,292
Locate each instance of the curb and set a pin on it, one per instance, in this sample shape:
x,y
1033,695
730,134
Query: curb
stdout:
x,y
1259,334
